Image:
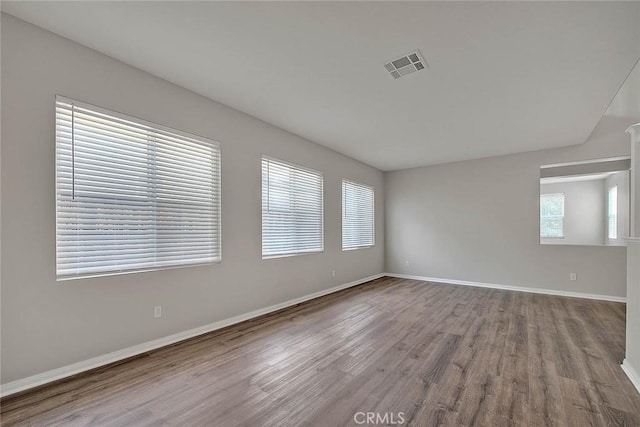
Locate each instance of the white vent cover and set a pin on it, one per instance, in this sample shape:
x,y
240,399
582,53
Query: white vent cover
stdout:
x,y
405,65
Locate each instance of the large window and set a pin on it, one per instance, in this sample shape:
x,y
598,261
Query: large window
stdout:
x,y
612,212
132,195
292,209
552,216
358,221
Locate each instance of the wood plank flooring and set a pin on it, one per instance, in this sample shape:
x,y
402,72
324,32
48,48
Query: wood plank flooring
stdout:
x,y
439,354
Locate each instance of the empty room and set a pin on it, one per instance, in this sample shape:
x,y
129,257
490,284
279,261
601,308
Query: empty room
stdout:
x,y
320,213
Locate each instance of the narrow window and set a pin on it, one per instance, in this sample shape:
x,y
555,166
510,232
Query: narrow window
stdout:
x,y
358,219
552,216
612,212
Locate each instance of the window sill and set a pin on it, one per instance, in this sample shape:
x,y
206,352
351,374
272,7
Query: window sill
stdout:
x,y
357,247
132,271
291,255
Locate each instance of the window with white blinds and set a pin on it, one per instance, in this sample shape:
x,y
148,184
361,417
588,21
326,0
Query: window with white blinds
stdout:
x,y
132,195
292,209
358,219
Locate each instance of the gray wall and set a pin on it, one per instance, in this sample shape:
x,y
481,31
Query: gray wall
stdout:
x,y
584,212
478,221
48,324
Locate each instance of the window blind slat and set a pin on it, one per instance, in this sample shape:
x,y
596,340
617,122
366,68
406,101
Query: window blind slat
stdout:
x,y
358,219
292,209
132,195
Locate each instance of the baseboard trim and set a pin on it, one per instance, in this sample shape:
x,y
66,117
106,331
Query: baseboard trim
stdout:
x,y
96,362
510,288
632,374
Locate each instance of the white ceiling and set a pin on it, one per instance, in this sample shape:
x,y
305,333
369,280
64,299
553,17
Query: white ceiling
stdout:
x,y
503,77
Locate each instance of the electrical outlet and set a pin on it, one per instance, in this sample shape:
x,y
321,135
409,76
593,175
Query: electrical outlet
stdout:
x,y
573,276
157,311
333,273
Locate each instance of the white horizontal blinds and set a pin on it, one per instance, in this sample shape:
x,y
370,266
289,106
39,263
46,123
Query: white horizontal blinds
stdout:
x,y
130,194
292,209
357,215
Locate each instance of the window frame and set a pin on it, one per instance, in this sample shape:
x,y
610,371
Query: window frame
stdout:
x,y
343,214
292,165
551,217
154,127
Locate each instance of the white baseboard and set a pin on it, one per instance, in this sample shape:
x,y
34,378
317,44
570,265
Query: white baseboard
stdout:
x,y
632,374
96,362
510,288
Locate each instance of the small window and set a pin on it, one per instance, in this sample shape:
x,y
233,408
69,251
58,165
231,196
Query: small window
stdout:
x,y
552,216
292,209
132,195
612,212
358,222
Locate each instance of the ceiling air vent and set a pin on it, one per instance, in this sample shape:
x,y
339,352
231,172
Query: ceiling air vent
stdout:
x,y
405,65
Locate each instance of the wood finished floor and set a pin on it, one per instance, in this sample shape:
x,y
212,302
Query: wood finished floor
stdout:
x,y
441,354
